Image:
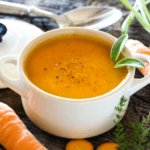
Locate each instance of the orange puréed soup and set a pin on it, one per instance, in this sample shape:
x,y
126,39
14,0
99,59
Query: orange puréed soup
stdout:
x,y
73,66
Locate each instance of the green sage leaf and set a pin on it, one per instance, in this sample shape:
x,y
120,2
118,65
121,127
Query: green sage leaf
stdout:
x,y
118,47
133,62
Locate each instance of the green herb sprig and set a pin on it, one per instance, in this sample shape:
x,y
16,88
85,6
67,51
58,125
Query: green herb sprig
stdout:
x,y
141,17
139,9
117,48
134,136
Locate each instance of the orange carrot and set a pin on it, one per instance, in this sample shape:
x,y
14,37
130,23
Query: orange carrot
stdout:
x,y
136,46
13,133
108,146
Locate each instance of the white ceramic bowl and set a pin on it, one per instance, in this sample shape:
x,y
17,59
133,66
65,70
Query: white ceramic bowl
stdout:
x,y
65,117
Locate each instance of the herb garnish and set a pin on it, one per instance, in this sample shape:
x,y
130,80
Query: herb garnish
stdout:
x,y
130,62
117,49
134,136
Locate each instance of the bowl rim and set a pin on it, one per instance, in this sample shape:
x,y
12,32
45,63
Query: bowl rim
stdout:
x,y
71,30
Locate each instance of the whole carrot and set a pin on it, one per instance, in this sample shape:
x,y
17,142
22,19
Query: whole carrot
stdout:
x,y
13,133
136,46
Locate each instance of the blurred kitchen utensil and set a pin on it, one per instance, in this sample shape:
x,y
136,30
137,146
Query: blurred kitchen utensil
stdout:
x,y
93,17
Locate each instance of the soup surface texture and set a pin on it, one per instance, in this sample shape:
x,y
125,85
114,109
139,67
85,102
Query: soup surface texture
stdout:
x,y
73,66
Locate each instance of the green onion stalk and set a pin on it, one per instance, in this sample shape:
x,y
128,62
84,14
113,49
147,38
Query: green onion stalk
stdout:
x,y
140,11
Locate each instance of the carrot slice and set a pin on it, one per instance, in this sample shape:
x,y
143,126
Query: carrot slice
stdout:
x,y
108,146
79,145
14,134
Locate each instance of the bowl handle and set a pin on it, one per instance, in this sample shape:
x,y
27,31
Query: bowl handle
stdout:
x,y
140,83
16,85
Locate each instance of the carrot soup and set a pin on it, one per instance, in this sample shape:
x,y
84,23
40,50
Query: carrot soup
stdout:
x,y
74,66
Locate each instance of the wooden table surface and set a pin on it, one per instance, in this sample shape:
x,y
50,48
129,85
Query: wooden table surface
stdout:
x,y
139,104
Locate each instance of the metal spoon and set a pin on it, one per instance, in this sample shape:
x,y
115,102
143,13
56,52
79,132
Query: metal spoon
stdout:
x,y
93,17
